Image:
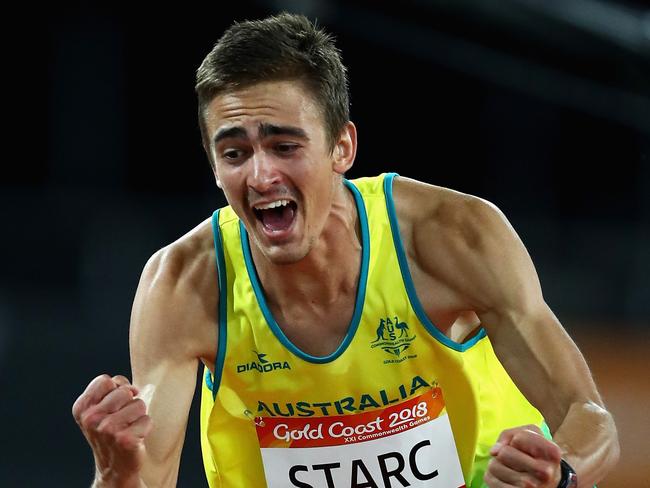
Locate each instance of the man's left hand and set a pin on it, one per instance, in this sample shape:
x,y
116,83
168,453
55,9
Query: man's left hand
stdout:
x,y
523,457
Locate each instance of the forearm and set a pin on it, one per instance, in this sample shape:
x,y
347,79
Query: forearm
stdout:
x,y
589,442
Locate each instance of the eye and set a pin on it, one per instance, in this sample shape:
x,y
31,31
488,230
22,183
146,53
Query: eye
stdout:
x,y
286,147
232,154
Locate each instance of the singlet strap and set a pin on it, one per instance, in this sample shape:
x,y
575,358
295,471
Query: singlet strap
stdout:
x,y
213,383
408,280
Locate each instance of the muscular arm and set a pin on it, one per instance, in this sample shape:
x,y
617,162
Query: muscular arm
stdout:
x,y
157,360
535,350
480,258
171,328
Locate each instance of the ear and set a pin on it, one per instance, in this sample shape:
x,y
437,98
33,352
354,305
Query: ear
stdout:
x,y
345,149
211,158
216,175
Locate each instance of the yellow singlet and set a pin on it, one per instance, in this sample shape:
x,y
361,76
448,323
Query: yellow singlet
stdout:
x,y
379,411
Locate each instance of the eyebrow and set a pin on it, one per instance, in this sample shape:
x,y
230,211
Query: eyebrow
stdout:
x,y
264,130
230,132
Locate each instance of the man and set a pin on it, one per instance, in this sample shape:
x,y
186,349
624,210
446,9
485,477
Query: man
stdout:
x,y
345,331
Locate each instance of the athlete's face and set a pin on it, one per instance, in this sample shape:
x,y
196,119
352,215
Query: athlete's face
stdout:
x,y
273,161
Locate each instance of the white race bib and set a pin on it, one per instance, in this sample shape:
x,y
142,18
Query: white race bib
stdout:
x,y
407,444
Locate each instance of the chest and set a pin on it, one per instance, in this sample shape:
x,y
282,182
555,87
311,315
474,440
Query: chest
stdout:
x,y
318,330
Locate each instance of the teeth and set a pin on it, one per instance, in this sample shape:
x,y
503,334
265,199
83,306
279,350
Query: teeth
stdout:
x,y
277,203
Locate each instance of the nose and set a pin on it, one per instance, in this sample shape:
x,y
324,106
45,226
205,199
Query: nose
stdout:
x,y
264,174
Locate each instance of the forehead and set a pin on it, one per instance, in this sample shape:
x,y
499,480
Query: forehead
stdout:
x,y
276,102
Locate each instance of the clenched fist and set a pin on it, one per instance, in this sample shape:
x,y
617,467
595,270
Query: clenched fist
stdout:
x,y
523,457
115,423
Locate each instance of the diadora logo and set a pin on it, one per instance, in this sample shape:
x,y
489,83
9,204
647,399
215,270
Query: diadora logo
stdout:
x,y
393,337
260,357
262,365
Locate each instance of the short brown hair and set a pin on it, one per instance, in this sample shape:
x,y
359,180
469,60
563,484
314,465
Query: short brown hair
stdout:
x,y
277,48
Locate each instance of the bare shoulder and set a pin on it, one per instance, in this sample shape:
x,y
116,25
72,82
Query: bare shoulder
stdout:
x,y
177,298
463,242
446,214
184,264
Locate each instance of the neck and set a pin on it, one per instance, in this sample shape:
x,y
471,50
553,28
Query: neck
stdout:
x,y
329,271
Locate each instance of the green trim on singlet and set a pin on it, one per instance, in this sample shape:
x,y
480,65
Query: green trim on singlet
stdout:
x,y
213,384
408,281
546,431
361,288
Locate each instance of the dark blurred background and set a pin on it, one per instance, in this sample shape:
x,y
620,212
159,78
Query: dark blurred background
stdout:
x,y
542,107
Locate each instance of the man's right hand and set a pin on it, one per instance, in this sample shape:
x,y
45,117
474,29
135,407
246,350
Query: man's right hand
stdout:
x,y
115,424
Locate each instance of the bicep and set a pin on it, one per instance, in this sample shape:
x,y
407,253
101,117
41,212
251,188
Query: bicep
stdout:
x,y
161,358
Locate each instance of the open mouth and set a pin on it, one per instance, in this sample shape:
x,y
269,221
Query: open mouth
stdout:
x,y
276,216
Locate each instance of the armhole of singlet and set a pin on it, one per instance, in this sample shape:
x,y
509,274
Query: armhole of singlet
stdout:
x,y
213,383
408,281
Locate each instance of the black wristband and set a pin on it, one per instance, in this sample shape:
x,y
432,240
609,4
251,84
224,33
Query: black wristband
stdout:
x,y
569,477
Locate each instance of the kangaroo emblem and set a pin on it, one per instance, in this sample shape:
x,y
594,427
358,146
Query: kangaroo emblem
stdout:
x,y
389,340
380,331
